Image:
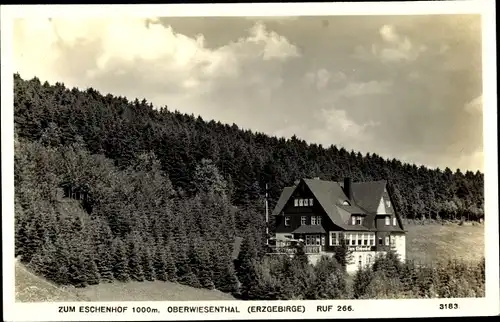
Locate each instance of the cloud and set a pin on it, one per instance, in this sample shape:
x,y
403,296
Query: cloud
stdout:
x,y
392,47
322,78
475,105
340,128
100,48
372,87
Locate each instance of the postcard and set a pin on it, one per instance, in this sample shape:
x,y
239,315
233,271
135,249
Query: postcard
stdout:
x,y
249,161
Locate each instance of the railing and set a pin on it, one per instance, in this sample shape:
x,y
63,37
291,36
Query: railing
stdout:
x,y
282,249
310,249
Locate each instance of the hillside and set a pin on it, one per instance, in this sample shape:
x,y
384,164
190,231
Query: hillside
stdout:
x,y
434,242
30,287
121,129
122,198
33,288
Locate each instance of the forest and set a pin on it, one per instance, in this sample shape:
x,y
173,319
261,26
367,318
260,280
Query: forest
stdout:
x,y
164,194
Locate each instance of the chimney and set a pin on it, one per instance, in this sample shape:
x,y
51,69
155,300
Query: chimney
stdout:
x,y
348,188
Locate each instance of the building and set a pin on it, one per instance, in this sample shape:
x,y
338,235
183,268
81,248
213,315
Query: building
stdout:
x,y
322,214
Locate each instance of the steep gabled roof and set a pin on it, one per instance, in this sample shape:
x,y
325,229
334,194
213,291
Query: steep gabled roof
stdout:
x,y
285,196
330,195
367,194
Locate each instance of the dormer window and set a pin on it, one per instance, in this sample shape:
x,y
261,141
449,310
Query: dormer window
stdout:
x,y
356,220
287,221
346,203
387,204
394,221
299,202
387,221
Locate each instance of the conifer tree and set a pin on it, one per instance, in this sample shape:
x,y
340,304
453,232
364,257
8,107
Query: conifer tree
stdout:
x,y
136,271
148,264
120,267
160,263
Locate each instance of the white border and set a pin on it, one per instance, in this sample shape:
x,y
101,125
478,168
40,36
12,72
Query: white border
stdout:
x,y
490,305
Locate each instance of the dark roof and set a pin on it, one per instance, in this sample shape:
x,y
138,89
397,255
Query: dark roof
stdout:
x,y
330,195
310,229
285,195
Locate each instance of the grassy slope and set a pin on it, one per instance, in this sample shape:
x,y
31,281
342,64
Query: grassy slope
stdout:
x,y
150,291
32,288
434,242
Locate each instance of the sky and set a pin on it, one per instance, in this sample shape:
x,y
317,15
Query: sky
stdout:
x,y
405,87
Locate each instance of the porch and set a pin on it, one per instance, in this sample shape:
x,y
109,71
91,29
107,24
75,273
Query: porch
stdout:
x,y
309,249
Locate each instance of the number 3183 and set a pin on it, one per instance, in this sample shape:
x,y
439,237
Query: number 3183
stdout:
x,y
449,306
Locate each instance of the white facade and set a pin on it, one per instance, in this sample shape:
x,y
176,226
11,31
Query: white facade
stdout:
x,y
361,259
400,245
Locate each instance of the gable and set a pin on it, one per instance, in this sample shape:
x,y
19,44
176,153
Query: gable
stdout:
x,y
368,198
285,196
381,207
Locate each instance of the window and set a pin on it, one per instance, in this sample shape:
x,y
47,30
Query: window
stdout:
x,y
289,236
360,239
322,240
313,240
369,259
287,221
296,202
372,239
301,202
303,220
392,240
380,241
394,221
365,239
318,220
387,240
310,202
360,260
357,220
306,202
387,220
313,220
334,240
388,204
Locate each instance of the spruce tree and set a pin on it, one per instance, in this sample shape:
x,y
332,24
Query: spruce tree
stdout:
x,y
120,267
160,263
135,258
148,264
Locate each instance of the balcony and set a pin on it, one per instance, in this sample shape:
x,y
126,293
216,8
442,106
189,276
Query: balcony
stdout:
x,y
313,249
282,249
308,249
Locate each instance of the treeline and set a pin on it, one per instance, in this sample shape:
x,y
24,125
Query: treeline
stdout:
x,y
281,278
130,223
121,129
